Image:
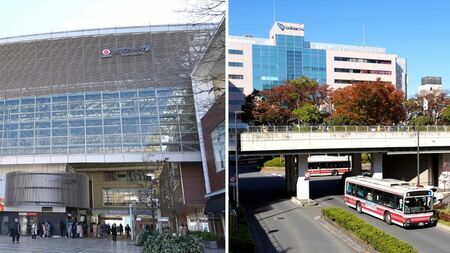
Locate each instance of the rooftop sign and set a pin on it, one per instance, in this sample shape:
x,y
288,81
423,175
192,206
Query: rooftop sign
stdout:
x,y
283,28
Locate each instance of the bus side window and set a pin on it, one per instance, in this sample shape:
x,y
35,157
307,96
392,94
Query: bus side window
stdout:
x,y
399,203
377,195
350,189
361,192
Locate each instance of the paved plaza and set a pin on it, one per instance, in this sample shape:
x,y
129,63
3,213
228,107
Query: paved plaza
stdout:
x,y
66,245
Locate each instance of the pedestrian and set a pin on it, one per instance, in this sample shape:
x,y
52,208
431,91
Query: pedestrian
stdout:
x,y
74,229
44,229
102,230
127,230
114,232
69,228
34,229
15,231
79,230
39,229
121,229
108,229
62,228
94,230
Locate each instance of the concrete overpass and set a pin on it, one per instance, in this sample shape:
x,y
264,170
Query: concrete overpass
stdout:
x,y
394,149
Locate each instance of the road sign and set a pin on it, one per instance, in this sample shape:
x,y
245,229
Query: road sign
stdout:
x,y
307,175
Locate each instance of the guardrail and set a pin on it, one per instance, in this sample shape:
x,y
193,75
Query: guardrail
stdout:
x,y
323,128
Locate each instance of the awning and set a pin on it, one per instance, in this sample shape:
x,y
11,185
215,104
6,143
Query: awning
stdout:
x,y
215,205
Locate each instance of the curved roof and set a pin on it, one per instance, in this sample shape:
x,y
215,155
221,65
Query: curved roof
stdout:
x,y
107,31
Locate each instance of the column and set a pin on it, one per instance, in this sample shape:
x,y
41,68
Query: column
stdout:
x,y
356,164
377,165
287,172
302,184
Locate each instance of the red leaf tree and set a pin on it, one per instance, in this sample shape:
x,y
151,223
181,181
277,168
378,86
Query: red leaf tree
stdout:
x,y
368,103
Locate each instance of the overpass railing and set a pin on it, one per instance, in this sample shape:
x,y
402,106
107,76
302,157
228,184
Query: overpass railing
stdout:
x,y
324,128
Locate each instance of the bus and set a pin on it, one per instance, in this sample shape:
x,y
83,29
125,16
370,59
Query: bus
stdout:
x,y
321,165
391,200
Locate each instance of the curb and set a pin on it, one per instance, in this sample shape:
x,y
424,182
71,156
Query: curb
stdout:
x,y
443,227
304,202
345,236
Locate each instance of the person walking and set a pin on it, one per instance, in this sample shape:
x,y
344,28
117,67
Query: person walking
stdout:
x,y
69,228
44,229
34,228
79,230
120,229
94,230
15,231
114,232
127,230
62,228
74,230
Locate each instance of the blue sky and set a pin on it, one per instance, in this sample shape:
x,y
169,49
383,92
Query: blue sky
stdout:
x,y
417,30
21,17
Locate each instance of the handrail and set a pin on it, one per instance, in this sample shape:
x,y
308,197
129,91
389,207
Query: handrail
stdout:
x,y
337,129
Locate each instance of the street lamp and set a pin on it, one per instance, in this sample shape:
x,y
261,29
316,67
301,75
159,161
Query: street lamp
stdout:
x,y
236,157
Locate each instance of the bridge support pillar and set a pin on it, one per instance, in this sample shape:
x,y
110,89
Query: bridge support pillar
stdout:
x,y
356,164
376,166
290,175
302,184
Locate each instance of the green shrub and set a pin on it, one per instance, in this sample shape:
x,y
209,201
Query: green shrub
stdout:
x,y
204,236
241,239
156,242
275,162
378,239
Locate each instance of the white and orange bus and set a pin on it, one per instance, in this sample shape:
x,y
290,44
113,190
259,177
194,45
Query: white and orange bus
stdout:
x,y
321,165
391,200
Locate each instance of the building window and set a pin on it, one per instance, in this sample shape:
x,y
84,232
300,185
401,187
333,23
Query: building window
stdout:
x,y
126,176
235,51
218,142
363,60
235,64
236,76
124,197
363,71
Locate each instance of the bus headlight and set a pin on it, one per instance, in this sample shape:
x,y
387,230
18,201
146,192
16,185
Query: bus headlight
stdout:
x,y
408,221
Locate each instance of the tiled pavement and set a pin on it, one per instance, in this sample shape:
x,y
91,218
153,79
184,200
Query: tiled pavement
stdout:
x,y
67,245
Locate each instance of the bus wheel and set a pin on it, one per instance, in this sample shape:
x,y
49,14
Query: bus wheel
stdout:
x,y
358,207
387,218
334,173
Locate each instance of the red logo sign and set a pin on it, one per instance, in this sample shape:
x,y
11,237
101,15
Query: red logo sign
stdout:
x,y
106,52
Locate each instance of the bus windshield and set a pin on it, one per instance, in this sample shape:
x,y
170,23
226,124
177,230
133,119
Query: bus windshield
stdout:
x,y
418,204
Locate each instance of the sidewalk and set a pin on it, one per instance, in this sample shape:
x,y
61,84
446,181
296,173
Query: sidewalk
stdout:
x,y
214,250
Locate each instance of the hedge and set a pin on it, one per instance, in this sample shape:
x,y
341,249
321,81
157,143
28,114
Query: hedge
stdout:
x,y
241,238
204,236
376,238
275,162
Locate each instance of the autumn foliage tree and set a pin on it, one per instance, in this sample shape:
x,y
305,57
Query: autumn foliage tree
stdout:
x,y
368,103
275,106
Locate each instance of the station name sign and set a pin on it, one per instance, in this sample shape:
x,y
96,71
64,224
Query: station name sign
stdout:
x,y
125,51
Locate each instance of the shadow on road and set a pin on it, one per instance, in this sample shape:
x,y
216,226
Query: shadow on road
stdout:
x,y
325,187
257,194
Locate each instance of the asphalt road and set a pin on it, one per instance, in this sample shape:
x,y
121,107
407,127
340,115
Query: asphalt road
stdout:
x,y
278,225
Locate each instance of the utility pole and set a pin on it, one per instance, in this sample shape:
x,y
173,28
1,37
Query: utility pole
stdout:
x,y
418,157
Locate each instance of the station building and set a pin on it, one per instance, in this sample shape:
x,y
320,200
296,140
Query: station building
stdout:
x,y
260,63
90,118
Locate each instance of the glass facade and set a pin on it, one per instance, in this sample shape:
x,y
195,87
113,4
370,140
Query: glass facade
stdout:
x,y
289,59
125,121
124,197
